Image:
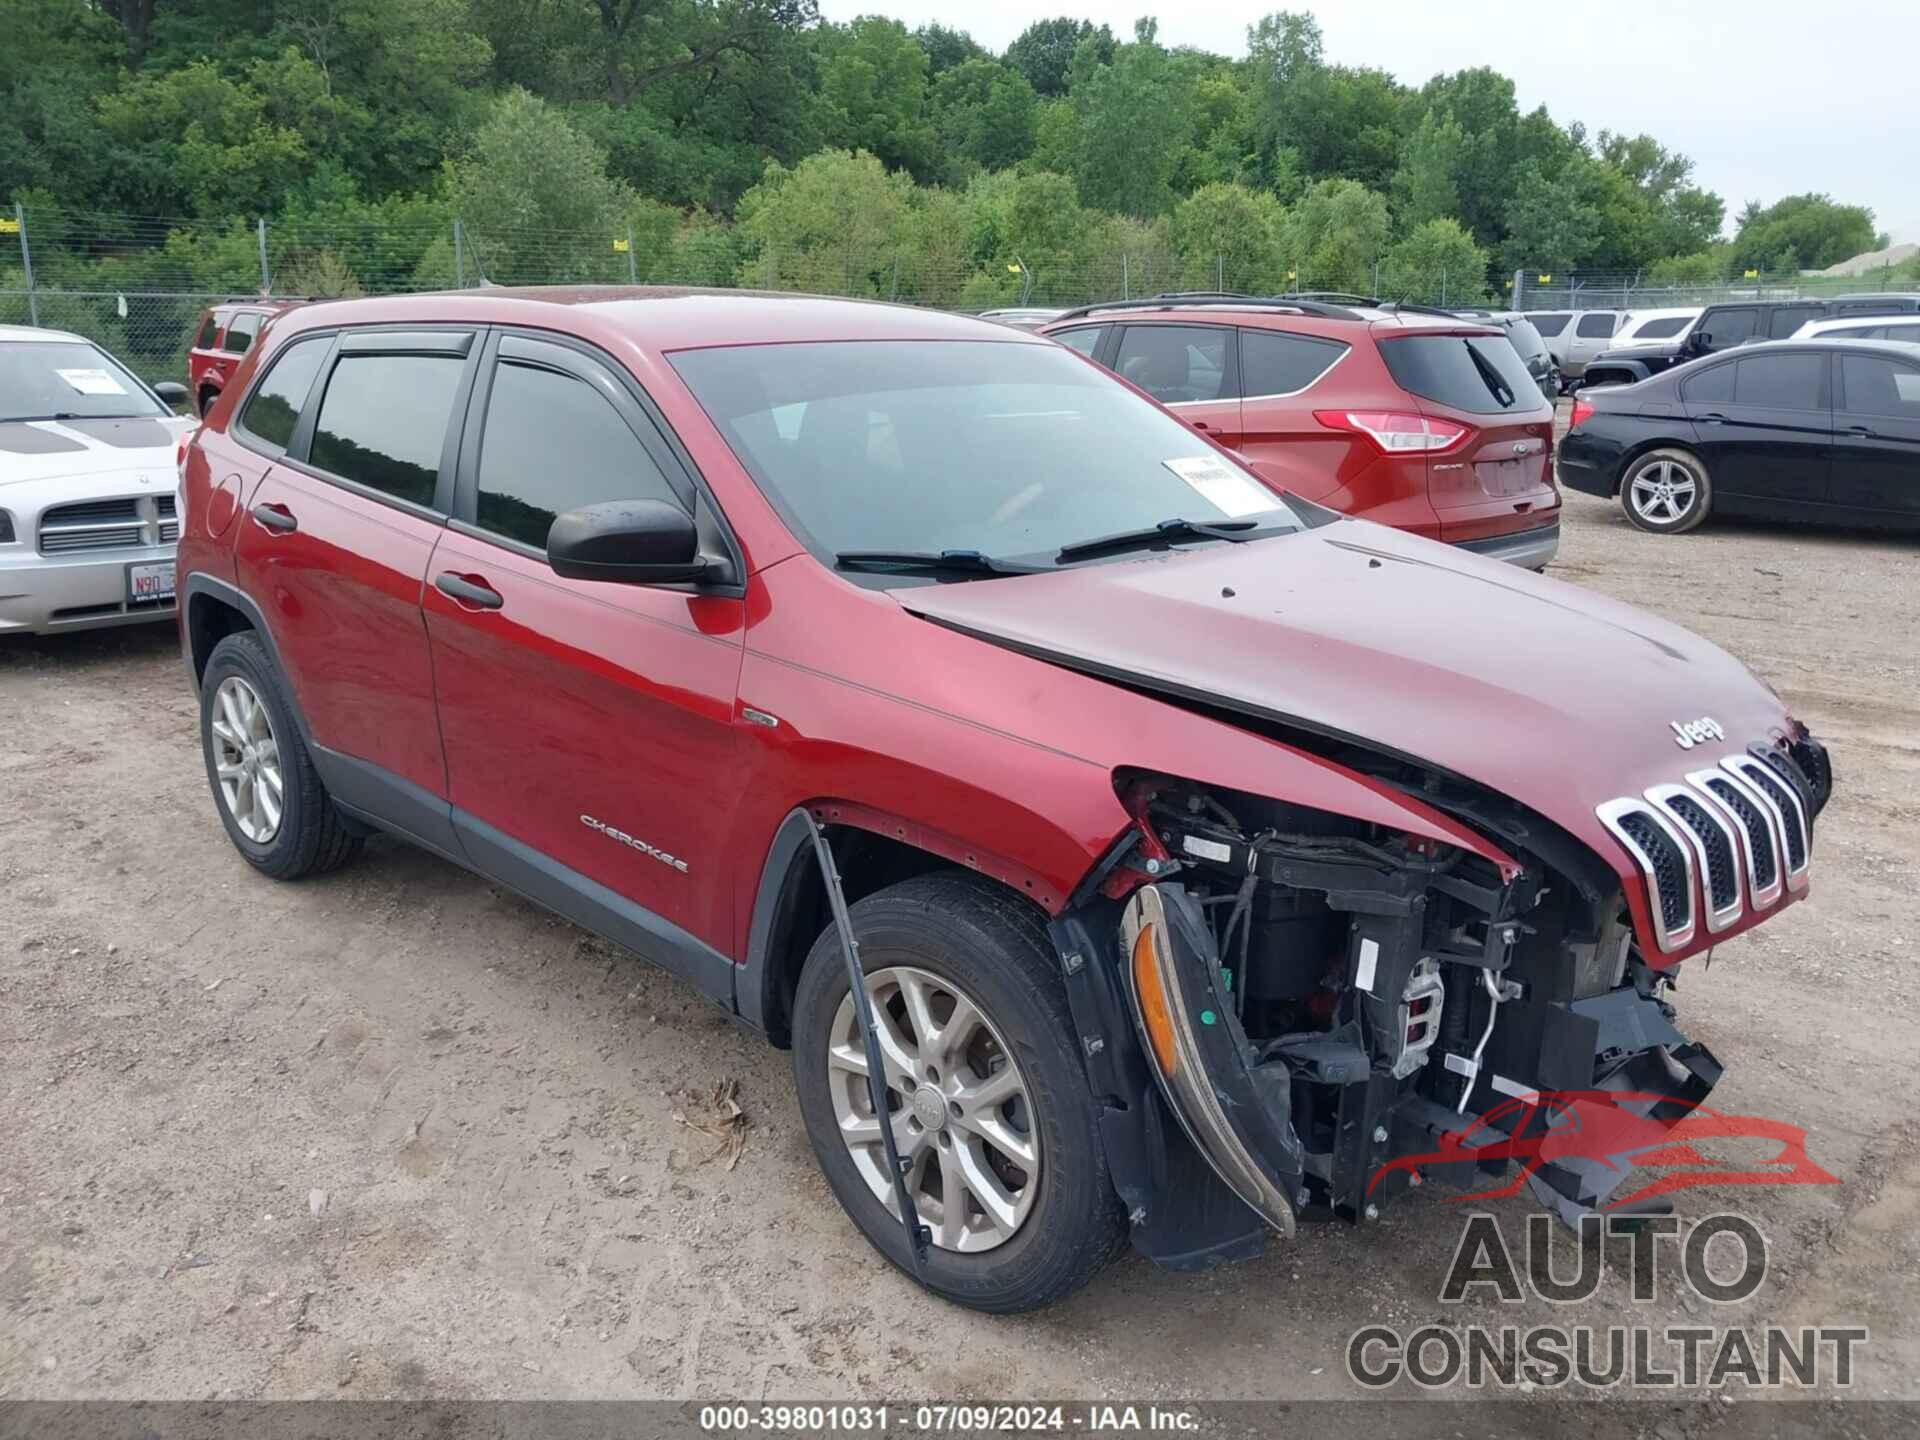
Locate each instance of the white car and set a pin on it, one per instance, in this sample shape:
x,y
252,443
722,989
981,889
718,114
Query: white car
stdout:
x,y
89,489
1862,327
1655,327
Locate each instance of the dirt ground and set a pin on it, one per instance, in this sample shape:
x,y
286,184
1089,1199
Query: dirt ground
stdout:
x,y
395,1133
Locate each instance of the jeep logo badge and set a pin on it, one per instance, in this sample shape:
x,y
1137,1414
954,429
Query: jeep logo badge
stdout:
x,y
1687,734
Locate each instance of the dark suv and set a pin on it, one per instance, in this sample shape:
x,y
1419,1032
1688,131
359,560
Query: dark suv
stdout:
x,y
1737,323
1411,417
1208,852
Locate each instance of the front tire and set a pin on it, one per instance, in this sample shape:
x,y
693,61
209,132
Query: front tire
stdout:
x,y
1666,492
276,811
987,1096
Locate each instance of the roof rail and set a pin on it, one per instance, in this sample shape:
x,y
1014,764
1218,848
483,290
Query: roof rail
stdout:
x,y
1286,303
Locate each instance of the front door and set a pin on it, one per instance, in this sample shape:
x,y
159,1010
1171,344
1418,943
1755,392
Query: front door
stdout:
x,y
589,726
1876,438
1766,445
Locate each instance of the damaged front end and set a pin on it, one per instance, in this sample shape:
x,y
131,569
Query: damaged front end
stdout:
x,y
1312,1005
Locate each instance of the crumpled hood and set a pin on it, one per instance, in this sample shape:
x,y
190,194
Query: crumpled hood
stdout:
x,y
1545,692
42,450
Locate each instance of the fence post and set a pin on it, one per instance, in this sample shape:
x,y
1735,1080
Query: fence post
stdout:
x,y
26,262
1126,277
1519,289
459,256
1443,287
894,292
633,266
1376,277
1219,270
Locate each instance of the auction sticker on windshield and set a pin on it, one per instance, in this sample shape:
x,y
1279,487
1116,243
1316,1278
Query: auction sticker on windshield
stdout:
x,y
1231,491
92,382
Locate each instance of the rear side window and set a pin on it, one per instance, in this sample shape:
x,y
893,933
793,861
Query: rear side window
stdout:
x,y
1710,387
1874,386
1782,382
1903,332
1272,363
1477,373
1086,339
1176,364
1549,322
273,410
209,328
240,332
1789,318
1597,325
521,489
1729,327
383,422
1526,340
1665,328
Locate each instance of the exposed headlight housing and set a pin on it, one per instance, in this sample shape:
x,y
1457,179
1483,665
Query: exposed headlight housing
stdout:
x,y
6,528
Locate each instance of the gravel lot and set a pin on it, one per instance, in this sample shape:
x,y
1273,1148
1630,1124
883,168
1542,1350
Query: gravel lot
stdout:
x,y
396,1133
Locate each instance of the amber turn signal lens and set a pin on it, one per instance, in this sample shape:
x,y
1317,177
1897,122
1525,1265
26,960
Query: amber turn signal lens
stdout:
x,y
1153,1000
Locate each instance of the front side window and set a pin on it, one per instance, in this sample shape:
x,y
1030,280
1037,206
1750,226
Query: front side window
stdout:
x,y
1874,386
1274,363
1086,339
68,379
551,444
1597,325
240,332
1176,364
1005,449
1481,374
1781,382
273,410
1730,327
1550,322
383,422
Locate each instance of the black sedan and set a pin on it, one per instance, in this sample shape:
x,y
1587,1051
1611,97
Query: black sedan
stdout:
x,y
1815,430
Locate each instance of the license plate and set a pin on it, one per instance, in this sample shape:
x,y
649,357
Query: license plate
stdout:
x,y
151,583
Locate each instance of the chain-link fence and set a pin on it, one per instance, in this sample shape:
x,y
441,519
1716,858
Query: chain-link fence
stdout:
x,y
1549,290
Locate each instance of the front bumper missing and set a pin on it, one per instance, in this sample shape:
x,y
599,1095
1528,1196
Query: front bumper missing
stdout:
x,y
1234,1110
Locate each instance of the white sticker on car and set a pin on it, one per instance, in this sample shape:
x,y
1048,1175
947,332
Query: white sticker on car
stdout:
x,y
1234,493
1369,962
92,382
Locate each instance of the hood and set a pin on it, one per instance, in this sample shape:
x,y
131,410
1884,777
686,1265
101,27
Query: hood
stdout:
x,y
1549,694
41,450
1644,350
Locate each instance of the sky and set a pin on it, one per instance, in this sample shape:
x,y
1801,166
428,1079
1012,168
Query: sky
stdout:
x,y
1768,99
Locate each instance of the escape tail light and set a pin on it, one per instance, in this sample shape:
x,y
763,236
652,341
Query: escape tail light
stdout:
x,y
1398,432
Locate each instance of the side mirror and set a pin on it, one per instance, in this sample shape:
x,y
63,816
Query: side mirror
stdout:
x,y
172,391
1698,342
638,542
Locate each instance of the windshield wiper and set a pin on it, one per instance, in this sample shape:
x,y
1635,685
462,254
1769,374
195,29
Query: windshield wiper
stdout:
x,y
1502,394
1175,529
963,562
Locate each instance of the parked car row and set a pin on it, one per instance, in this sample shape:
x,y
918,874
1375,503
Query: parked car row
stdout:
x,y
1736,323
1210,854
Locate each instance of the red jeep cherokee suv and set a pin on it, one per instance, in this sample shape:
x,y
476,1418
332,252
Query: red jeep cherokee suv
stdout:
x,y
1396,413
1207,851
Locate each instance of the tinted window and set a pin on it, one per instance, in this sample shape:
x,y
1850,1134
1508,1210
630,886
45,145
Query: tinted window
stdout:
x,y
1086,339
209,328
1175,363
1665,328
240,332
1854,332
553,443
1526,339
1729,327
1710,387
1276,364
1880,387
1870,307
1781,382
383,422
1549,322
1903,332
1789,318
274,408
1480,373
1598,324
1011,450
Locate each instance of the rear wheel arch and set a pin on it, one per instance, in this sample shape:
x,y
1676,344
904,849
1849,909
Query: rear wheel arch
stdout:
x,y
215,610
1632,455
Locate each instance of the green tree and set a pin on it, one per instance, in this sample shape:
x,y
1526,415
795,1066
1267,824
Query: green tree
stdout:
x,y
1436,263
947,48
835,224
873,85
1552,224
1802,230
1334,235
1228,233
193,141
1424,186
984,115
1337,121
1133,126
1044,51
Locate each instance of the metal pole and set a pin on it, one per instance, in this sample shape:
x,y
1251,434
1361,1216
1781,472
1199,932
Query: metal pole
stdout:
x,y
1443,287
26,262
1376,276
459,256
1219,271
1126,277
266,280
633,266
1519,289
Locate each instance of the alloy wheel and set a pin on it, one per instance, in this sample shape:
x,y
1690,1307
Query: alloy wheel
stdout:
x,y
1663,492
246,760
957,1103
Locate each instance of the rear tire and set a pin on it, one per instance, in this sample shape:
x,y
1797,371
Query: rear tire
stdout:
x,y
1666,492
276,811
954,934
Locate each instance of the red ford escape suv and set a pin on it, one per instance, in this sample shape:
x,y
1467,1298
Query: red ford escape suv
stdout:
x,y
1207,851
1396,413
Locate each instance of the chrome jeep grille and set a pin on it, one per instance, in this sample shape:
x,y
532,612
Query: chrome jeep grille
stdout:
x,y
1758,851
1665,860
1715,847
1787,809
131,522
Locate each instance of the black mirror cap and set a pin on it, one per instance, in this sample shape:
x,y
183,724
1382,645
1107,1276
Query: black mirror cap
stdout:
x,y
171,391
636,542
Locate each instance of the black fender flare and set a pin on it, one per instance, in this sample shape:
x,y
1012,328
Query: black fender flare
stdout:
x,y
200,584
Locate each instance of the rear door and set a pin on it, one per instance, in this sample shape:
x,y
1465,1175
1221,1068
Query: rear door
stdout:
x,y
1876,438
1786,319
1766,438
1283,376
1191,369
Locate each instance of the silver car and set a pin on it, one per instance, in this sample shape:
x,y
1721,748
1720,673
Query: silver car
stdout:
x,y
89,490
1575,336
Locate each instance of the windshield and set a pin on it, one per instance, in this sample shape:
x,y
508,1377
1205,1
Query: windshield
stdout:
x,y
62,379
1006,450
